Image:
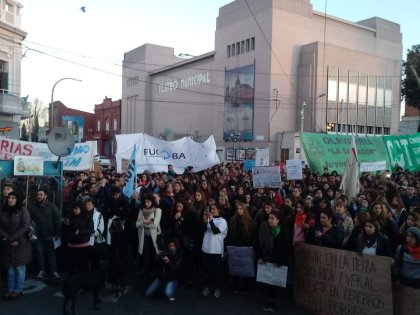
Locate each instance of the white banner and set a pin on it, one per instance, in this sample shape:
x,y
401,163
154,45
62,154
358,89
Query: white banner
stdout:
x,y
155,155
81,158
294,169
266,176
271,274
372,166
262,157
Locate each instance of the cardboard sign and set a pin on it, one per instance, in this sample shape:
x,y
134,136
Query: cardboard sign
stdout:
x,y
266,176
406,300
272,274
28,165
241,261
294,169
337,282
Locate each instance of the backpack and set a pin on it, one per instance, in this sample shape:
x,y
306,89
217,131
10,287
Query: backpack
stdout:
x,y
117,225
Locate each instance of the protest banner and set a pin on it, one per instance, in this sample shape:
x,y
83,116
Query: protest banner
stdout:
x,y
155,155
373,166
81,158
404,150
266,176
325,150
241,261
406,300
337,282
271,274
294,169
262,157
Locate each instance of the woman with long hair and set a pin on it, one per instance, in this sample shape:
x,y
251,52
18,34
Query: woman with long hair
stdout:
x,y
372,241
198,204
225,207
412,220
302,223
80,230
382,213
148,223
185,230
398,210
242,233
15,247
326,234
359,224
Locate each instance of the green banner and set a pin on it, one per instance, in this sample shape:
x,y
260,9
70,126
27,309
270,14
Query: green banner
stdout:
x,y
404,150
324,150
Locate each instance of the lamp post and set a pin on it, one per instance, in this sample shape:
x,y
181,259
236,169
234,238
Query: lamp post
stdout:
x,y
52,97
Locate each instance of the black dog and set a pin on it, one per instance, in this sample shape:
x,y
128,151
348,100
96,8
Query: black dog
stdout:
x,y
90,281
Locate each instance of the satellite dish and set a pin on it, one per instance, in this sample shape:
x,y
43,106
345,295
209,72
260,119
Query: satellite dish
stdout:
x,y
60,141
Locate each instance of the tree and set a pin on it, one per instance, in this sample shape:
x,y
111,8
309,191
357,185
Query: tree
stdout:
x,y
410,85
38,113
24,133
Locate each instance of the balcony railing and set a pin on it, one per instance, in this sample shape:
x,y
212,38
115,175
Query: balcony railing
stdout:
x,y
11,104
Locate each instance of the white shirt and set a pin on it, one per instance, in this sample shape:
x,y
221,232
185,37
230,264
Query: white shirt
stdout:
x,y
214,243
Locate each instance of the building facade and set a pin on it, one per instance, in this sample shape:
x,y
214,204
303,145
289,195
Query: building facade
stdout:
x,y
79,123
277,68
107,124
13,108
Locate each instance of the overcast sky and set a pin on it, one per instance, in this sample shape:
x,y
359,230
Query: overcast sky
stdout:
x,y
64,41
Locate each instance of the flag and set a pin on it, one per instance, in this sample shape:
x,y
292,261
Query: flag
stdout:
x,y
131,175
350,180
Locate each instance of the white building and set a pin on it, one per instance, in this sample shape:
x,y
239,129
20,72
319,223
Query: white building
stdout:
x,y
269,59
13,108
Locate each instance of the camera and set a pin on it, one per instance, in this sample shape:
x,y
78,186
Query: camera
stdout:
x,y
162,254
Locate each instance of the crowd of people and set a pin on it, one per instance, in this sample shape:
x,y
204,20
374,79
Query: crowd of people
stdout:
x,y
175,227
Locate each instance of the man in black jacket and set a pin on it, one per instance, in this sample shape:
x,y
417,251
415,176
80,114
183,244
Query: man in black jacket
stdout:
x,y
48,226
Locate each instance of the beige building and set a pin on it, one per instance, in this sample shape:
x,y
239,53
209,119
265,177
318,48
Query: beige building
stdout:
x,y
278,67
13,108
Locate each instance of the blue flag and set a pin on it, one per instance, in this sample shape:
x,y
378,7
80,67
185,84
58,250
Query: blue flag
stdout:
x,y
131,175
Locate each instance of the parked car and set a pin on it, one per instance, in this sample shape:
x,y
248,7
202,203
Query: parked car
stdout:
x,y
104,161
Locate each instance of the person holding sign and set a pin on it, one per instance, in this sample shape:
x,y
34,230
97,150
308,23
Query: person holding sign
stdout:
x,y
213,248
274,246
242,232
372,241
326,234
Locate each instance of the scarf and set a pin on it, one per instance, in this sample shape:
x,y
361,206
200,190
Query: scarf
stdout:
x,y
370,240
275,231
414,251
300,219
148,212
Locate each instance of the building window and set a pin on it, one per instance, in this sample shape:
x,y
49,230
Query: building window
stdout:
x,y
107,124
252,43
98,126
387,130
360,129
233,50
228,51
242,47
247,45
115,124
369,130
8,7
238,48
378,130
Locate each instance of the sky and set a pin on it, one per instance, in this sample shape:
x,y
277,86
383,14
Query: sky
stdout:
x,y
65,42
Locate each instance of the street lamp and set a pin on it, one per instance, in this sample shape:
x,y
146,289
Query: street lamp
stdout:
x,y
52,98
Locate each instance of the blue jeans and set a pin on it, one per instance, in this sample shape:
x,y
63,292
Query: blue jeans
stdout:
x,y
16,278
169,290
45,249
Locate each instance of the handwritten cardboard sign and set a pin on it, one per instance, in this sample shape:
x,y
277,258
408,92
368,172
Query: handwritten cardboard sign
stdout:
x,y
272,274
337,282
241,261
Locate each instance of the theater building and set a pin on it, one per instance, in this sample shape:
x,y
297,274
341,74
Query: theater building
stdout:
x,y
278,68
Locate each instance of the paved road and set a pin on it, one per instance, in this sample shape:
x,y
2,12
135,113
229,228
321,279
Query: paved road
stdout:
x,y
45,298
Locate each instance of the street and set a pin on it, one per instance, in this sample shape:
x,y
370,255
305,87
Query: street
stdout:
x,y
45,298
